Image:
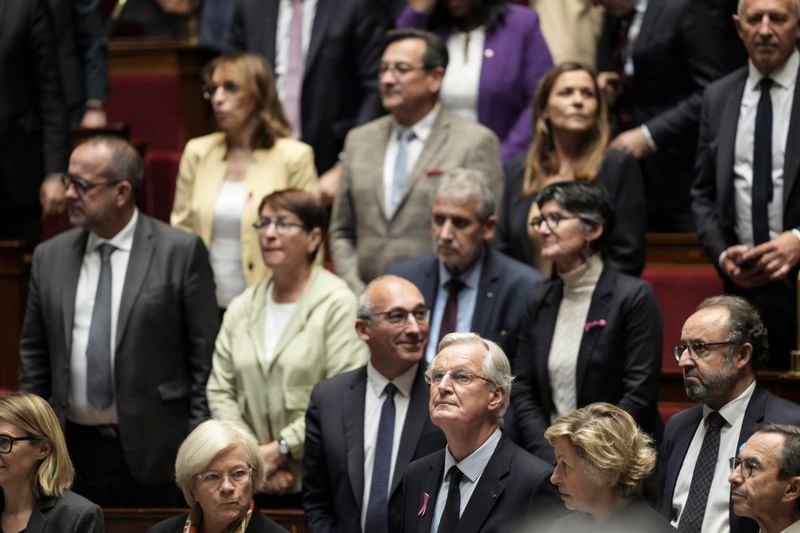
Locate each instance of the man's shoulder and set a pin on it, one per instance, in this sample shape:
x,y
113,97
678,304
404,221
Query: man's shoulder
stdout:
x,y
524,463
413,267
465,127
368,130
58,243
721,87
418,467
512,271
164,234
334,385
777,409
680,420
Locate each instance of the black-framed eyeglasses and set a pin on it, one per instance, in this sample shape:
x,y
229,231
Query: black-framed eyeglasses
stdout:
x,y
81,185
748,465
7,441
213,479
697,349
551,219
399,316
228,87
398,70
282,225
462,378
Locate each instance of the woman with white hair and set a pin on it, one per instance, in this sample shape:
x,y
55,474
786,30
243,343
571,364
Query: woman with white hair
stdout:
x,y
602,460
218,469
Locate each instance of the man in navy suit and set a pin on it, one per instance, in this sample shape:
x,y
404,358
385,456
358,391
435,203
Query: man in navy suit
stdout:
x,y
493,288
721,346
344,420
482,481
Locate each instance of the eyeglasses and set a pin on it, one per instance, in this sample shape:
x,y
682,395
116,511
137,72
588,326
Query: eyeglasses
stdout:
x,y
551,219
462,378
397,70
81,185
748,465
282,225
697,349
228,87
397,317
213,479
7,442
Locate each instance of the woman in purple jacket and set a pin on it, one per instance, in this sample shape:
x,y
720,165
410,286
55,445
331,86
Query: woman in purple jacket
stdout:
x,y
497,56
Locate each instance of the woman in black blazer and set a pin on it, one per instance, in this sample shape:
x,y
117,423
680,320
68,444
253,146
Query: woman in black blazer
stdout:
x,y
590,334
570,144
36,472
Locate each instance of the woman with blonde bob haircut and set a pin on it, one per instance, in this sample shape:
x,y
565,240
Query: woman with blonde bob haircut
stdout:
x,y
602,460
36,472
570,143
224,175
219,469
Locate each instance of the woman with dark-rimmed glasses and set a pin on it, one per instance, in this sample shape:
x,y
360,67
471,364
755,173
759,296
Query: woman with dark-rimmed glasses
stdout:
x,y
282,336
36,472
224,175
590,334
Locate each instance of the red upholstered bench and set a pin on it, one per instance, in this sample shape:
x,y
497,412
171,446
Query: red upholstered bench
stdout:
x,y
679,289
158,191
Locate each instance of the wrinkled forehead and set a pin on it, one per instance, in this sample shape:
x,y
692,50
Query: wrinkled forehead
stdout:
x,y
467,355
705,324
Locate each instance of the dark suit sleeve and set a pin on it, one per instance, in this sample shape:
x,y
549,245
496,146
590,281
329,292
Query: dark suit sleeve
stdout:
x,y
503,241
91,41
368,46
545,505
704,185
235,38
703,47
52,112
34,355
532,420
642,351
201,322
621,174
90,520
318,503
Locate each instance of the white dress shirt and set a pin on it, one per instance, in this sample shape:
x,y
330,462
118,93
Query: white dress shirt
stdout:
x,y
472,466
467,297
373,403
782,95
276,316
422,131
633,34
717,517
79,410
282,39
462,77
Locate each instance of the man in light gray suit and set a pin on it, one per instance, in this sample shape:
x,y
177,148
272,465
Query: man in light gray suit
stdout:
x,y
119,331
392,165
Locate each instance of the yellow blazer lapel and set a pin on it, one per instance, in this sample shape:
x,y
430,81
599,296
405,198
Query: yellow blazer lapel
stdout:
x,y
255,329
209,185
301,311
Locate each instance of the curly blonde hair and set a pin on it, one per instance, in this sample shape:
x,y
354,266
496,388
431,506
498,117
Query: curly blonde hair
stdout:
x,y
615,451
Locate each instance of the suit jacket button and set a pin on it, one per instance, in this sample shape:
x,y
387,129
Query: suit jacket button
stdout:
x,y
250,266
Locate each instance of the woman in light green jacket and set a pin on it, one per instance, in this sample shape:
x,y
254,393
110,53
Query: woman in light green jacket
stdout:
x,y
282,336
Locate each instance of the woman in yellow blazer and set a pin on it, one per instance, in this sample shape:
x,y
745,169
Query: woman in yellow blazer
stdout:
x,y
223,175
282,336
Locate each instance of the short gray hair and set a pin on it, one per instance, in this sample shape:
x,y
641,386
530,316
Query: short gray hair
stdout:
x,y
795,2
789,456
744,325
496,367
462,184
125,163
208,440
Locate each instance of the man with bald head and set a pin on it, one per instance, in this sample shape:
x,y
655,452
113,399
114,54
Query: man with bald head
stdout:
x,y
721,346
745,198
364,427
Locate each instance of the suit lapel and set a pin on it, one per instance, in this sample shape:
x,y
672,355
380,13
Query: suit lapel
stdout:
x,y
489,489
38,519
727,142
598,310
322,20
255,329
433,146
792,162
649,20
545,321
72,271
429,485
416,419
380,154
138,265
354,433
683,437
487,285
267,11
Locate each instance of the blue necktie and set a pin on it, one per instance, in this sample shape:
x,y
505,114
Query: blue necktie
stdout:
x,y
99,387
377,515
762,165
400,169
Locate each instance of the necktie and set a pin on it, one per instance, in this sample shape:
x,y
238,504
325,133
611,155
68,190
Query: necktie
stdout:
x,y
377,514
450,315
452,508
99,382
400,168
762,165
294,69
692,516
